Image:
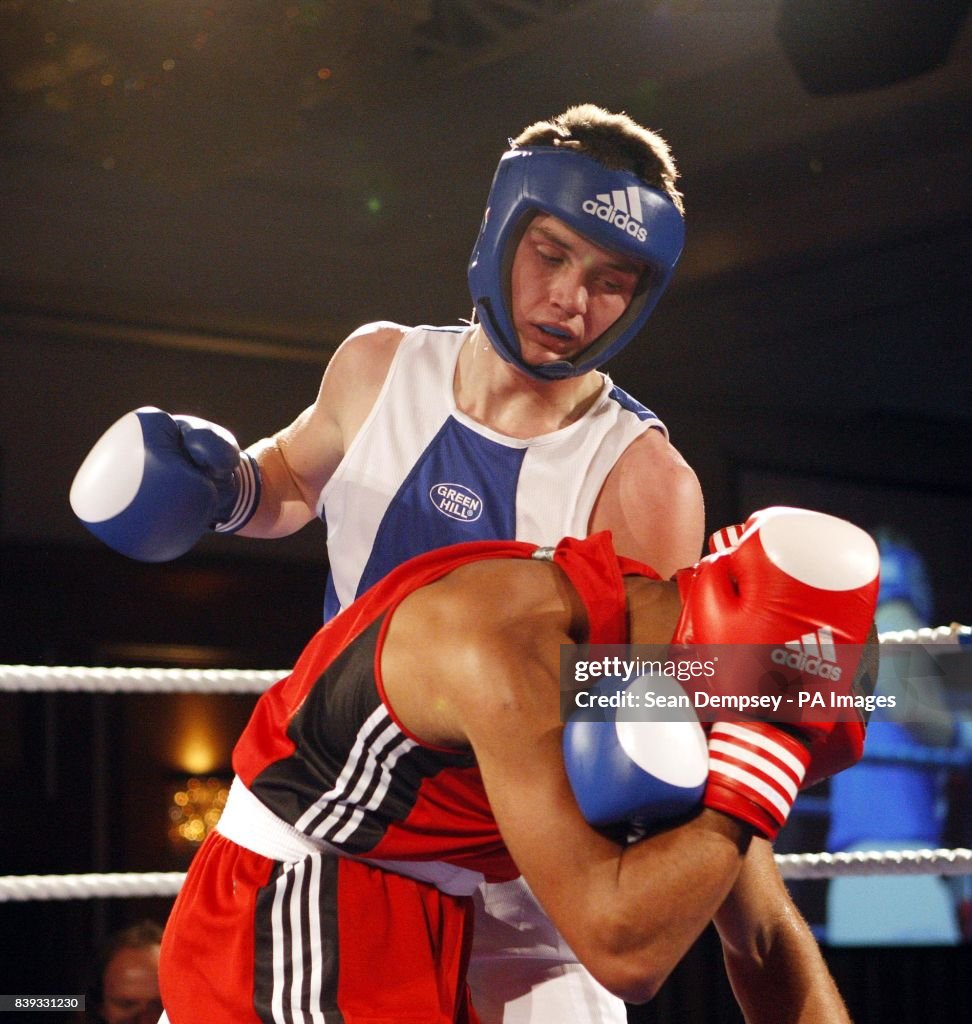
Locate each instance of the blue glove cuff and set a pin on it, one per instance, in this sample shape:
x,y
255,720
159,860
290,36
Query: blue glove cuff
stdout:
x,y
244,496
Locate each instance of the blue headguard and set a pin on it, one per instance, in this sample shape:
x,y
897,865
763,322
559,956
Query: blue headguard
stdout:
x,y
904,576
614,209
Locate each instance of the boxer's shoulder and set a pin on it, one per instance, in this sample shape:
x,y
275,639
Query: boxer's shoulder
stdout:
x,y
355,375
368,351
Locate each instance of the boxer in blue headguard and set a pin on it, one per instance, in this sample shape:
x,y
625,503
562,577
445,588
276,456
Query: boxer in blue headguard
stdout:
x,y
502,429
613,208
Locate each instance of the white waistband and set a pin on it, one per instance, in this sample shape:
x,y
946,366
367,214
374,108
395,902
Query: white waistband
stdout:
x,y
251,824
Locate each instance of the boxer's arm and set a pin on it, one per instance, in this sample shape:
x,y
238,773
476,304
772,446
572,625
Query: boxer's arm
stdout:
x,y
631,913
297,461
773,961
478,661
651,502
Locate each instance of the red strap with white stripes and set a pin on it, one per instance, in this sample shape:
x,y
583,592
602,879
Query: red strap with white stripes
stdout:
x,y
726,538
755,772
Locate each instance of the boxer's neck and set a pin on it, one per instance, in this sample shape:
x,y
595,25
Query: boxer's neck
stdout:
x,y
653,609
495,393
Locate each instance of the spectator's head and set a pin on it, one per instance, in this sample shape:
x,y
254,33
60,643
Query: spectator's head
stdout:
x,y
128,989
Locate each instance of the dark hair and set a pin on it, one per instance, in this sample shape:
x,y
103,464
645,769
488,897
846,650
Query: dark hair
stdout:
x,y
615,140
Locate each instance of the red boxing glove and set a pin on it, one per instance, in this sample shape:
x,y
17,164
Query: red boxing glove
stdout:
x,y
788,576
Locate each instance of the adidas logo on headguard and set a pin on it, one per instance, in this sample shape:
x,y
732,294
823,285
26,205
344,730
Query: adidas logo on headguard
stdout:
x,y
620,207
814,653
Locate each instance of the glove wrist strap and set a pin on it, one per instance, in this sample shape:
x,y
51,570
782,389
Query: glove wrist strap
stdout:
x,y
755,772
246,494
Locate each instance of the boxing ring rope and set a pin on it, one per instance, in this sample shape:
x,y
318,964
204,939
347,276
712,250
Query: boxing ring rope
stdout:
x,y
48,679
72,679
68,679
794,866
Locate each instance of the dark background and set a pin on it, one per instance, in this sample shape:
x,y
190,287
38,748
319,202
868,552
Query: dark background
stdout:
x,y
201,198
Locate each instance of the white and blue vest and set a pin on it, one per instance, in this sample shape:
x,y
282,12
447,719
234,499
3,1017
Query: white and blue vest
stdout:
x,y
420,474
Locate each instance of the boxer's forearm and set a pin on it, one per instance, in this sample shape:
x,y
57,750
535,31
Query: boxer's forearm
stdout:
x,y
789,984
773,961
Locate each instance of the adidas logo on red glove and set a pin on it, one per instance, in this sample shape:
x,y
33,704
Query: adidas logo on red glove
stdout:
x,y
788,578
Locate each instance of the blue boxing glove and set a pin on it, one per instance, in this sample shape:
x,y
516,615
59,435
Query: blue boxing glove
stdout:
x,y
632,764
154,484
